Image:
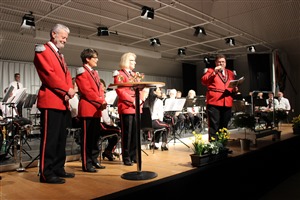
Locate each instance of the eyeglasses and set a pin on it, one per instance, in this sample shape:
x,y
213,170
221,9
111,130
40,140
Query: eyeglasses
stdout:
x,y
94,57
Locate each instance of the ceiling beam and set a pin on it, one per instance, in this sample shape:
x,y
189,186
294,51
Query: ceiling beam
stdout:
x,y
41,35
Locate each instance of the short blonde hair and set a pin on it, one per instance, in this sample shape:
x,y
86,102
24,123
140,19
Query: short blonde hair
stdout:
x,y
124,62
191,93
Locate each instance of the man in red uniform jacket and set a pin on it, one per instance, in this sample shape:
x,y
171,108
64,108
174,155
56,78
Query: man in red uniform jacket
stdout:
x,y
219,98
52,101
91,103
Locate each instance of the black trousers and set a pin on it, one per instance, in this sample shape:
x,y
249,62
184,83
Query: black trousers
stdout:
x,y
157,124
53,142
128,128
218,118
90,132
105,130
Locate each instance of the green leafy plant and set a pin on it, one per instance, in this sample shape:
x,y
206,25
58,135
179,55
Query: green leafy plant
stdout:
x,y
296,121
202,146
223,135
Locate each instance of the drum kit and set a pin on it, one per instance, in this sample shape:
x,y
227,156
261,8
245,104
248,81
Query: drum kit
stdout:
x,y
15,132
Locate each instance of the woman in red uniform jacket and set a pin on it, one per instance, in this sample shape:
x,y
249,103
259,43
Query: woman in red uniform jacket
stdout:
x,y
126,106
219,98
91,103
52,101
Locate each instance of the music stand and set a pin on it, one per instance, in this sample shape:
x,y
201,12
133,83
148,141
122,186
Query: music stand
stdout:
x,y
138,86
200,101
238,106
175,105
7,94
260,102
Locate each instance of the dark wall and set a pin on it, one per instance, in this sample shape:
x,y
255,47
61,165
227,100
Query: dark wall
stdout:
x,y
260,72
189,78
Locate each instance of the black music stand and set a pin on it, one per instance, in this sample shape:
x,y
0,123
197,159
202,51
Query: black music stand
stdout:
x,y
260,102
175,105
138,86
200,101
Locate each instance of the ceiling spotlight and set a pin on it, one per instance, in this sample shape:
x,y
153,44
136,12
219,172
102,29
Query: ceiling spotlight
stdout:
x,y
251,49
199,31
206,60
154,42
181,52
103,31
147,13
28,21
230,41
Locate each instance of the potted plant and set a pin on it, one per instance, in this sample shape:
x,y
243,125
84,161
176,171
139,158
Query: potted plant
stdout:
x,y
245,121
296,124
207,152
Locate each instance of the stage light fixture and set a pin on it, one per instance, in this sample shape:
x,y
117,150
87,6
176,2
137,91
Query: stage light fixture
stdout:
x,y
103,31
28,21
147,13
230,41
199,31
251,49
206,60
154,42
181,52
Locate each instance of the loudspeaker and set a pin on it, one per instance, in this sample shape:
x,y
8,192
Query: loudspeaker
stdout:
x,y
260,72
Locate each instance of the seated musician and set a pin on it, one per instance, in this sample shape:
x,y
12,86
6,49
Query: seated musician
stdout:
x,y
108,127
193,114
267,106
155,105
283,103
174,118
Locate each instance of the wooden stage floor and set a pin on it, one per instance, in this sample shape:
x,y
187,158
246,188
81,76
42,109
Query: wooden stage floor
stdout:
x,y
26,185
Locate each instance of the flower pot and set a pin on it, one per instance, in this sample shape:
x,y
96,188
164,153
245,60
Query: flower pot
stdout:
x,y
198,160
296,130
276,135
245,144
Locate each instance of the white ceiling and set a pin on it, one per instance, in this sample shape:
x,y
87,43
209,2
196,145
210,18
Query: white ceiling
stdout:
x,y
266,24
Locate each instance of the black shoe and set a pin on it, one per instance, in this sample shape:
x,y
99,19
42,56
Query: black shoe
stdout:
x,y
53,180
134,161
153,146
164,148
65,175
127,163
98,166
108,155
91,170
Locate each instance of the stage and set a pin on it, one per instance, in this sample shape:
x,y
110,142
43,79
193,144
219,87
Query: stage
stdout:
x,y
243,175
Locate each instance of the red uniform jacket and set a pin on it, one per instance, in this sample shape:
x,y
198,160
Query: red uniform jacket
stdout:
x,y
55,77
218,93
126,95
91,93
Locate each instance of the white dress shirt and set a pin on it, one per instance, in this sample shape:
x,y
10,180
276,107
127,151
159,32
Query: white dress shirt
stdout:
x,y
283,104
158,110
15,85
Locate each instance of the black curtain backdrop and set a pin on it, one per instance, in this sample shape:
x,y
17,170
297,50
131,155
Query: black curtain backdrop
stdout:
x,y
189,78
260,72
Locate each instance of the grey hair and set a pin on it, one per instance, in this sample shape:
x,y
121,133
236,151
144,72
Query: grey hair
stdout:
x,y
59,27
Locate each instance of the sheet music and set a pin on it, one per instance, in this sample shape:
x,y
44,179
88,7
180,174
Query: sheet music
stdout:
x,y
110,97
174,104
236,83
19,96
7,98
